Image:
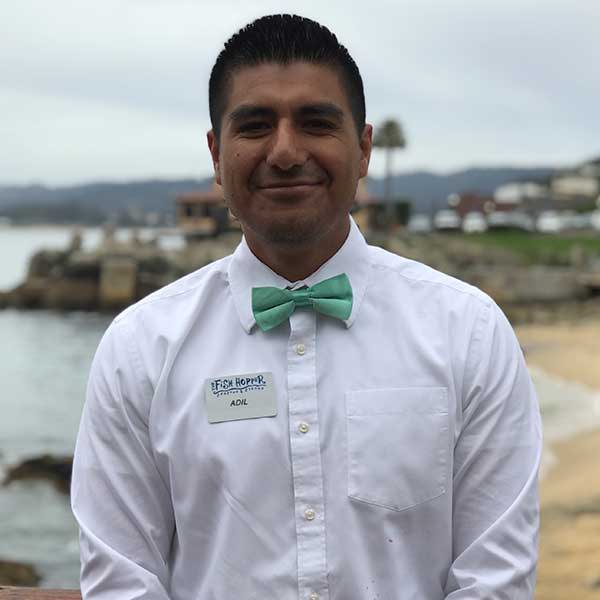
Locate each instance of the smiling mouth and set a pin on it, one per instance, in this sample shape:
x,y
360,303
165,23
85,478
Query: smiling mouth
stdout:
x,y
289,185
290,192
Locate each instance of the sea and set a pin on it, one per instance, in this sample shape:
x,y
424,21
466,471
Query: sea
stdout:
x,y
44,361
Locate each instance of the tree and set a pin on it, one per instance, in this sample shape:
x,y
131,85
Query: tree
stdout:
x,y
390,137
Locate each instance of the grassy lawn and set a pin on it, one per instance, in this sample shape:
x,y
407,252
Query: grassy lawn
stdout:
x,y
539,248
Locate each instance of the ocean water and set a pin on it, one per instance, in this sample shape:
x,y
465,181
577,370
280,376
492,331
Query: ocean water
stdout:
x,y
18,243
44,361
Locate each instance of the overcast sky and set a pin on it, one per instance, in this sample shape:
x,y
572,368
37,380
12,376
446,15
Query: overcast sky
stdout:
x,y
117,89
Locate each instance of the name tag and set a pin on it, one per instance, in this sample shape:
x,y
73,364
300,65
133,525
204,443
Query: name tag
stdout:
x,y
240,397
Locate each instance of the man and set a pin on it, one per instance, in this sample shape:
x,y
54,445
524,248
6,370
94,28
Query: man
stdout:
x,y
311,417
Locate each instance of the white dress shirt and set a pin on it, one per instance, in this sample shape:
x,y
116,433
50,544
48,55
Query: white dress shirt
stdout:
x,y
401,464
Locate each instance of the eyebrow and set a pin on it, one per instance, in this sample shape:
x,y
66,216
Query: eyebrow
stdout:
x,y
322,109
250,111
253,111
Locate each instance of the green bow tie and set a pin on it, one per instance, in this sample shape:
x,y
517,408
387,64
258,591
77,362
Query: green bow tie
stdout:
x,y
333,297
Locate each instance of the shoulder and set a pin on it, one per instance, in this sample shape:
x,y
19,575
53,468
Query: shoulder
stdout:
x,y
174,300
142,337
418,278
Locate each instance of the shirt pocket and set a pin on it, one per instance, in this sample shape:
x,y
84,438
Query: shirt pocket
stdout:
x,y
397,445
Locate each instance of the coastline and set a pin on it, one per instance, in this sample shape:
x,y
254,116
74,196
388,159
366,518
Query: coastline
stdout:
x,y
567,355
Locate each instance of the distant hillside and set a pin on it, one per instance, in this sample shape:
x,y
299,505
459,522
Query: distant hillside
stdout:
x,y
429,190
426,191
151,194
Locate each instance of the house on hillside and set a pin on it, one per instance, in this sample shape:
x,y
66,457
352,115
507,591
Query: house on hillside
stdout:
x,y
469,202
519,193
203,214
575,185
578,188
373,213
503,211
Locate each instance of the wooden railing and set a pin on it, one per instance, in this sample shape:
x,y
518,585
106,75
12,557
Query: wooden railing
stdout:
x,y
22,593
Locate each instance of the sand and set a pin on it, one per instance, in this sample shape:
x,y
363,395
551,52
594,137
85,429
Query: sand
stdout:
x,y
568,350
569,566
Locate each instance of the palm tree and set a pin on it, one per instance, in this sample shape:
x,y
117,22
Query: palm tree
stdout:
x,y
389,136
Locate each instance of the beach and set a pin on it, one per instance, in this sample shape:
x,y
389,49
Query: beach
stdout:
x,y
569,565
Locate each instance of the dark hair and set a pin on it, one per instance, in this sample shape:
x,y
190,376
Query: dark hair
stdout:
x,y
284,39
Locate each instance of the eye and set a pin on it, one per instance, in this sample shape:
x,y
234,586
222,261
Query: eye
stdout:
x,y
319,125
253,128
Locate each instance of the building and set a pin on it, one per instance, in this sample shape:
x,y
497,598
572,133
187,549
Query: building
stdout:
x,y
578,188
372,213
203,214
575,185
519,192
464,204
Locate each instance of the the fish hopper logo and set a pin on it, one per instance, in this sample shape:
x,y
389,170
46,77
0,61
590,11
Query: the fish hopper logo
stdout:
x,y
236,385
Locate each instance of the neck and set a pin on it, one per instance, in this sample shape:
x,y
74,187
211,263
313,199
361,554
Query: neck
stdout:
x,y
299,260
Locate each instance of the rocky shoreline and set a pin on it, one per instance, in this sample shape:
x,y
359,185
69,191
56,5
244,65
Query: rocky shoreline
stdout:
x,y
117,274
18,574
47,467
57,471
110,277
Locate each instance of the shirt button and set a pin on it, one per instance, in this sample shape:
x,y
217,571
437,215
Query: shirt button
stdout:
x,y
303,427
309,514
313,596
300,349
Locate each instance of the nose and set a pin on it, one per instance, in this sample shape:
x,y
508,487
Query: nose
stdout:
x,y
286,150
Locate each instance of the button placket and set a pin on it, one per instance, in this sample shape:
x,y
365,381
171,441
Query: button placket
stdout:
x,y
306,455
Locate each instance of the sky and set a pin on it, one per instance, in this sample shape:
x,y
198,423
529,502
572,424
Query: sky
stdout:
x,y
117,90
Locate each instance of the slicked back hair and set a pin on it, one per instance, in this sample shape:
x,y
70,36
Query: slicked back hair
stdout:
x,y
283,39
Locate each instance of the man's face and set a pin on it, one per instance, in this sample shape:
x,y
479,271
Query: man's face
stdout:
x,y
289,157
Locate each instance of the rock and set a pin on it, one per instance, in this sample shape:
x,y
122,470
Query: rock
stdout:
x,y
148,283
81,265
29,294
76,242
118,279
7,299
71,294
14,573
154,263
45,262
526,285
55,469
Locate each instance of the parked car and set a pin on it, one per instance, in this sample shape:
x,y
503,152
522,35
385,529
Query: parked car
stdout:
x,y
419,224
573,220
446,220
474,222
514,219
522,220
595,220
549,221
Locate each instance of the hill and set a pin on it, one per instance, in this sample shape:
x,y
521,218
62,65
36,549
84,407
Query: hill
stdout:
x,y
95,201
429,190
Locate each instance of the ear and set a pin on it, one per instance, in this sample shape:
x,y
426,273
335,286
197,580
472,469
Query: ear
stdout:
x,y
366,144
213,146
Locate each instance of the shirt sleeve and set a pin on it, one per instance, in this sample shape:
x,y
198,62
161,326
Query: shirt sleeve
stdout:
x,y
118,497
496,461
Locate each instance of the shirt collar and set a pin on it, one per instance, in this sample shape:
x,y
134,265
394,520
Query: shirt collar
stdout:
x,y
245,271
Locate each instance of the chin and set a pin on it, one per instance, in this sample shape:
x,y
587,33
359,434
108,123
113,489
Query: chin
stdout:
x,y
292,231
